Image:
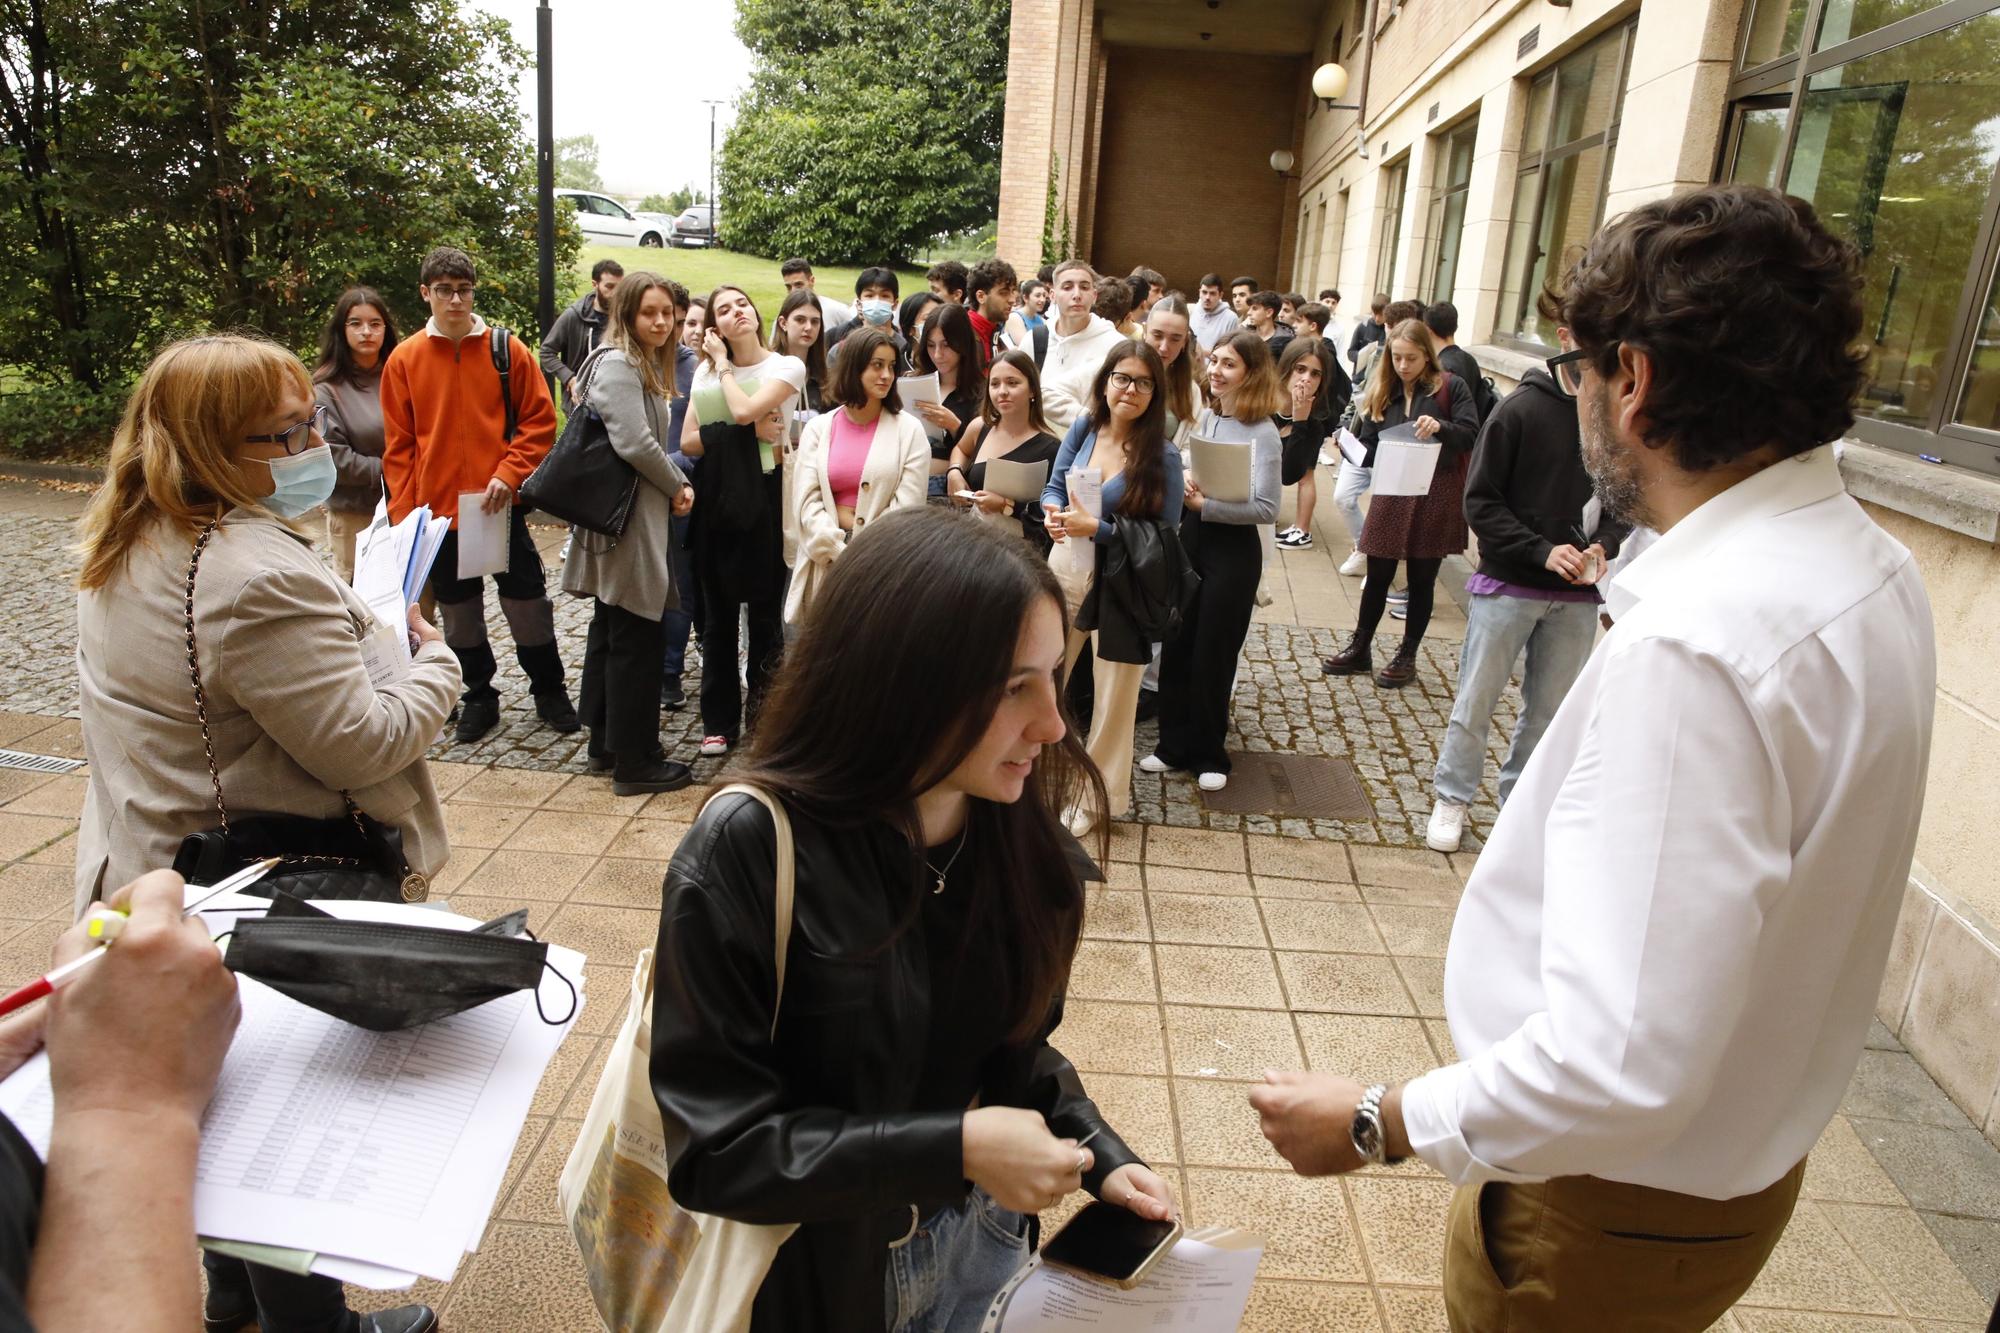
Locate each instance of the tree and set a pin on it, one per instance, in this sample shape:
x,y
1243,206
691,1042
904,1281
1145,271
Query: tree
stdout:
x,y
174,165
870,126
576,163
657,203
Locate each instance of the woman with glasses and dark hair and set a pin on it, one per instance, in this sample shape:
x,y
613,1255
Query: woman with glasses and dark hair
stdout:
x,y
195,533
1122,437
947,347
347,382
1198,669
917,743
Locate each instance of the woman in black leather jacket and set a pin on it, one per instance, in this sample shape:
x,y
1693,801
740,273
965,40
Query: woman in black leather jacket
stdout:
x,y
910,1113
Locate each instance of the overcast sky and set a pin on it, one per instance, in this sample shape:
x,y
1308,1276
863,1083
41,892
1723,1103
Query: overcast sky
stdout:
x,y
634,73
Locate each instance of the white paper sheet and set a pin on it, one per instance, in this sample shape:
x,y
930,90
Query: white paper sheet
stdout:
x,y
916,389
1017,481
386,655
482,537
1086,490
1197,1288
1404,464
1351,447
1221,470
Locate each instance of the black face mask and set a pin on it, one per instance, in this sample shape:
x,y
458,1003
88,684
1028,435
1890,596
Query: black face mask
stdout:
x,y
387,977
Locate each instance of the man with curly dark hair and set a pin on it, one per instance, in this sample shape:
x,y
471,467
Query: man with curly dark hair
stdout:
x,y
1664,965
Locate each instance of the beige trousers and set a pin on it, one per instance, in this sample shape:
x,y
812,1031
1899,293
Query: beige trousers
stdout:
x,y
1113,717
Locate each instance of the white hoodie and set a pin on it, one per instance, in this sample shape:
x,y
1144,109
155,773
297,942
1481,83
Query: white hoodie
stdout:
x,y
1070,368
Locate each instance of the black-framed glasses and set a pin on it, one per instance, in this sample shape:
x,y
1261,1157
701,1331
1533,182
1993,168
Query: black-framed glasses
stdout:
x,y
1132,383
295,438
1567,371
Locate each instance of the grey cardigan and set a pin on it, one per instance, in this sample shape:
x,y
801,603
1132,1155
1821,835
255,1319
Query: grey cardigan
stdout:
x,y
635,574
1265,487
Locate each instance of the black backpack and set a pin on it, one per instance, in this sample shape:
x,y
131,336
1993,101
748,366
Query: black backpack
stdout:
x,y
501,343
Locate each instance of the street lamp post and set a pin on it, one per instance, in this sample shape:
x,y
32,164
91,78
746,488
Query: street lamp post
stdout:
x,y
714,210
545,169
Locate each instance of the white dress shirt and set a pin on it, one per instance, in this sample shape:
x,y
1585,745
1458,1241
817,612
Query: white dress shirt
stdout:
x,y
1664,966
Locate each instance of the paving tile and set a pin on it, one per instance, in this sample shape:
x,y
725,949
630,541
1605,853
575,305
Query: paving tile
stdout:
x,y
29,891
1230,1043
1191,918
512,786
1812,1268
16,783
1125,876
1200,849
1310,1307
607,990
1414,932
1308,1232
533,1196
60,796
1300,858
1300,923
618,881
1953,1023
1880,1038
484,826
1127,838
22,834
545,876
1974,1246
654,840
16,728
61,852
458,868
447,778
1390,896
683,805
1114,914
1109,1036
1945,1170
1439,1032
591,794
1321,890
1369,1048
483,907
1906,1257
1181,879
1402,868
63,738
1892,1086
1425,978
526,1278
1139,1109
1752,1320
1841,1168
1402,1226
1112,970
576,1106
576,1051
1210,974
1218,1128
1344,983
612,935
1415,1309
565,831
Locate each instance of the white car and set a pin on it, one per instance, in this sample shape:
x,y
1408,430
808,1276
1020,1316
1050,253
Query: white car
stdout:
x,y
607,221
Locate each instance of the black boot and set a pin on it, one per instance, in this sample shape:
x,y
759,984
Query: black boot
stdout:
x,y
402,1319
1356,659
476,717
658,775
557,712
1402,669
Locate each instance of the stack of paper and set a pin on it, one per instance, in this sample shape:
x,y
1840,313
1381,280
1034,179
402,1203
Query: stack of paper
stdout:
x,y
391,562
915,389
1404,464
1201,1286
1222,470
373,1157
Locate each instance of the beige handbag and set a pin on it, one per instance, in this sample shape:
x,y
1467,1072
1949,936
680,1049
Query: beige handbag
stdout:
x,y
653,1266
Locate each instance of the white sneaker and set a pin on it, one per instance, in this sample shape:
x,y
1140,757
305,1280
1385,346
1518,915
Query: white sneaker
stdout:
x,y
1263,598
1355,565
1447,826
714,745
1081,822
1328,460
1152,763
1212,781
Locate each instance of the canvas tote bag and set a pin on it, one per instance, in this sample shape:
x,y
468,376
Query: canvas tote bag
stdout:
x,y
653,1266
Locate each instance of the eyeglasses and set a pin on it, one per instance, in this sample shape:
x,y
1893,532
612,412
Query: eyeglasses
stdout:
x,y
295,438
1137,384
454,293
1567,371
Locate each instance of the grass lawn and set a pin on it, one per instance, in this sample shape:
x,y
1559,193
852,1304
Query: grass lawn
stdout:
x,y
702,271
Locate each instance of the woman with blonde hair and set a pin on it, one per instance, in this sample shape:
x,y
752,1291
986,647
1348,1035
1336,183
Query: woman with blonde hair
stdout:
x,y
192,558
1407,386
629,383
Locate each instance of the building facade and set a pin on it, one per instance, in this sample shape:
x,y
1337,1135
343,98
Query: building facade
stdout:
x,y
1480,144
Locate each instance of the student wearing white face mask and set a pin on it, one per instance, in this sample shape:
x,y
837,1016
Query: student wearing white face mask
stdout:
x,y
876,293
1078,341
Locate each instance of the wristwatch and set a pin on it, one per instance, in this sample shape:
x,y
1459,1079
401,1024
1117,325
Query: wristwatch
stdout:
x,y
1368,1134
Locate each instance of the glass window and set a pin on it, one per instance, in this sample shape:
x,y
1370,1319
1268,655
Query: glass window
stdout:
x,y
1772,30
1979,404
1395,180
1760,141
1572,201
1447,212
1897,150
1519,249
1846,19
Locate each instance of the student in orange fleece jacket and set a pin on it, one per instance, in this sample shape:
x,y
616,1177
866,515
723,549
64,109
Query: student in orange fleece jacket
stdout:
x,y
444,432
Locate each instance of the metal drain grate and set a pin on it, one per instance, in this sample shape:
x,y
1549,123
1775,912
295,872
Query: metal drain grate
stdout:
x,y
38,763
1303,786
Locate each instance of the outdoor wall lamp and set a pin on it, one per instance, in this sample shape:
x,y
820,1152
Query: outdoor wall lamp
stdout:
x,y
1282,161
1330,85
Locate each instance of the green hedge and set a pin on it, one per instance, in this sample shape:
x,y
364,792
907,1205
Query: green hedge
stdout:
x,y
59,421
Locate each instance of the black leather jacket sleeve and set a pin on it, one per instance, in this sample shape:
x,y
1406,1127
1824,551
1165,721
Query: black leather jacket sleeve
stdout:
x,y
737,1149
1041,1078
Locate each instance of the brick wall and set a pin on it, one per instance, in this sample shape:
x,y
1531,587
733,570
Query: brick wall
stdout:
x,y
1184,183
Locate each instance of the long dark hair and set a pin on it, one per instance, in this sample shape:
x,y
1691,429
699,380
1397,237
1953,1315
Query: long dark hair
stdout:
x,y
336,358
892,681
956,326
1146,452
1024,363
815,357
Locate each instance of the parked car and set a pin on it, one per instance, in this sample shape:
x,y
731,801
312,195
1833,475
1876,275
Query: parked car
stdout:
x,y
607,221
664,221
695,226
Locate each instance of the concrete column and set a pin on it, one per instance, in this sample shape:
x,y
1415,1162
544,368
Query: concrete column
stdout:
x,y
1675,113
1424,150
1489,199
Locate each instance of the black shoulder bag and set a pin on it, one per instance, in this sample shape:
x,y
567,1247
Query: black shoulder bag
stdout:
x,y
356,857
582,480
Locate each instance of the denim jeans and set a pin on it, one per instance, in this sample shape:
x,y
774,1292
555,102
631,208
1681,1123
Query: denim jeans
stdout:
x,y
1348,489
1557,637
944,1275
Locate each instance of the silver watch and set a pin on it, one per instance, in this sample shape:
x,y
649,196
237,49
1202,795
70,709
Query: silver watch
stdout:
x,y
1367,1132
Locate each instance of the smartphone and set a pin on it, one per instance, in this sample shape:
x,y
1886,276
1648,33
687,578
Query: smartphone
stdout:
x,y
1111,1244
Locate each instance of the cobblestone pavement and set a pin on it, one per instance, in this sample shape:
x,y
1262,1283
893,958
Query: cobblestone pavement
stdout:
x,y
1210,954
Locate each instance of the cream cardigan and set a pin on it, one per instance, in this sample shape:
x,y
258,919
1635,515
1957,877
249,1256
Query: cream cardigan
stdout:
x,y
896,475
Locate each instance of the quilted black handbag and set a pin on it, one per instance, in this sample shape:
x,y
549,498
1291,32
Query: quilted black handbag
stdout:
x,y
356,857
582,480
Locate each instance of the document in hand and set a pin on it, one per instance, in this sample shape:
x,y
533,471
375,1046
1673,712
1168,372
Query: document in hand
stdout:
x,y
1221,470
1202,1286
1404,464
1019,482
391,562
1351,447
921,389
379,1155
482,537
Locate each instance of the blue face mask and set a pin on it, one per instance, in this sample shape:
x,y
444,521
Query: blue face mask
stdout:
x,y
303,480
877,312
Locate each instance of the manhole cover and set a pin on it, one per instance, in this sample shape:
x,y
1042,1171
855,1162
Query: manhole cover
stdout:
x,y
38,763
1304,786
